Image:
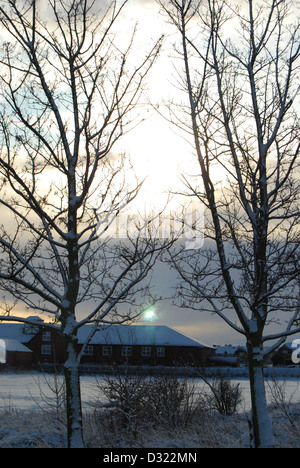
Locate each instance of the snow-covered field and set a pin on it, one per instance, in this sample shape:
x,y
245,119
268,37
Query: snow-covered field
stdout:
x,y
23,424
23,390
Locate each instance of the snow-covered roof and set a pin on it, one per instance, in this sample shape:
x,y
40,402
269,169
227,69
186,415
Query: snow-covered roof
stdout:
x,y
13,345
146,335
15,331
228,350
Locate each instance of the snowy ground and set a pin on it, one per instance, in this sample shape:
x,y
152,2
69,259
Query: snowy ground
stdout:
x,y
23,390
23,424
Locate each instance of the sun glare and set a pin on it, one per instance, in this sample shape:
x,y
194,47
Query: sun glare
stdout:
x,y
149,314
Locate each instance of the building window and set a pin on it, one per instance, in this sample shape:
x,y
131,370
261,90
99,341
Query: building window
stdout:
x,y
127,351
146,351
30,329
89,350
106,351
46,336
46,349
160,351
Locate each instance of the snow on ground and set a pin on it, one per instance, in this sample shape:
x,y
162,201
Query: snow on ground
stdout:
x,y
19,428
23,390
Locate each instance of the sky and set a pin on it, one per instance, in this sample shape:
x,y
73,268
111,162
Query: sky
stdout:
x,y
160,153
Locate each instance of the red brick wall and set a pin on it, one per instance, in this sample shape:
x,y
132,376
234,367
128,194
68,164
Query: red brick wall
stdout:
x,y
174,355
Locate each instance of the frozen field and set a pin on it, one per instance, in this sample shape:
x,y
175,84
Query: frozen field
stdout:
x,y
23,390
23,426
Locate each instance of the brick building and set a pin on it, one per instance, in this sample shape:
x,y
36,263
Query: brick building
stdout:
x,y
133,344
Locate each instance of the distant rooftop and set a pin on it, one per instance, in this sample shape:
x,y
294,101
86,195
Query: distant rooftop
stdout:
x,y
228,349
149,335
146,335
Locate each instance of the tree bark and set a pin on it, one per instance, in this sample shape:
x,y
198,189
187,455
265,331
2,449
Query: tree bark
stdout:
x,y
73,394
261,433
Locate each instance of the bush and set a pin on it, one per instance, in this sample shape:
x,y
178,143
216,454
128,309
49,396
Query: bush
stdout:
x,y
126,399
173,401
224,396
132,406
135,401
284,405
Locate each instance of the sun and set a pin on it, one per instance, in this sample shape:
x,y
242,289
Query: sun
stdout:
x,y
149,314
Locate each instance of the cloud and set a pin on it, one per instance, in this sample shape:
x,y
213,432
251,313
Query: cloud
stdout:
x,y
145,2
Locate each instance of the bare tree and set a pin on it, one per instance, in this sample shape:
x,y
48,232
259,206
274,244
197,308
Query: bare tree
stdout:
x,y
240,79
69,87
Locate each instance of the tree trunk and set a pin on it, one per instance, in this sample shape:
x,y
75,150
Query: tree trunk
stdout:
x,y
260,425
73,397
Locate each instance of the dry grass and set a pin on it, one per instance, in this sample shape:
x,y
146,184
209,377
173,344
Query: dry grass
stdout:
x,y
22,429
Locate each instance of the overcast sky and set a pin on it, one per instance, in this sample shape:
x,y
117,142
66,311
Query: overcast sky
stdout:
x,y
160,153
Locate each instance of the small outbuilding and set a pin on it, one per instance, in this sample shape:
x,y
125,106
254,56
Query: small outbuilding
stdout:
x,y
15,354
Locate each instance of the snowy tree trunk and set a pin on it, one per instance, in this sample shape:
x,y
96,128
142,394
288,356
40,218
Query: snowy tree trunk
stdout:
x,y
260,424
73,397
